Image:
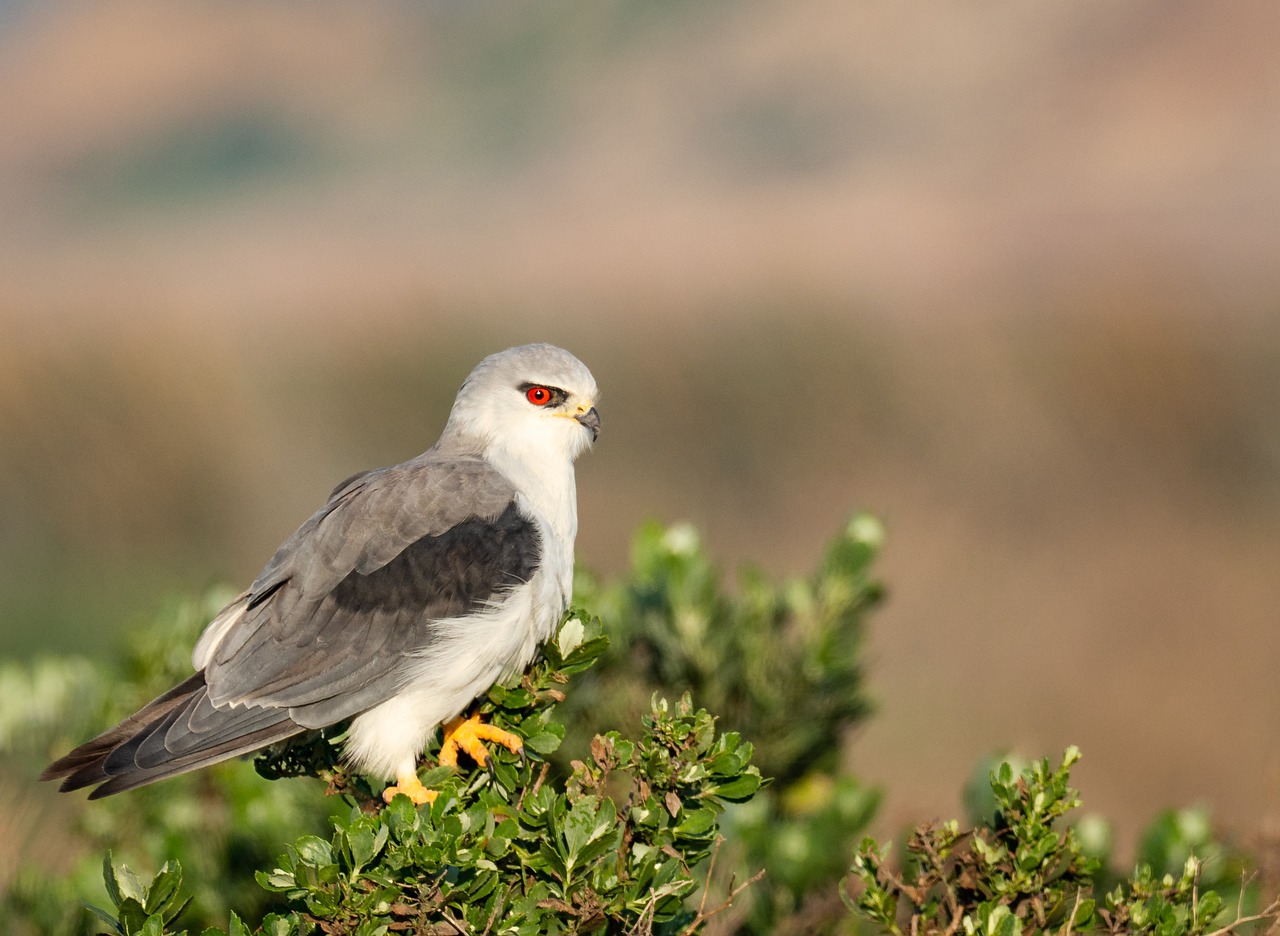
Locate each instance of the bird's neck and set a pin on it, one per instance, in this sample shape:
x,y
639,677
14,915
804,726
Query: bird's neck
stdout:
x,y
547,483
547,492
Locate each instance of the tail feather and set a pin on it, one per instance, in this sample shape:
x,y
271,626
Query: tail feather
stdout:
x,y
96,749
245,745
159,741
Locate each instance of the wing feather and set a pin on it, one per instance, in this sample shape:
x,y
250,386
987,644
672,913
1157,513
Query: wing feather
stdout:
x,y
333,622
416,546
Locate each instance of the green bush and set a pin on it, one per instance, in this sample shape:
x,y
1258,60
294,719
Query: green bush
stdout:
x,y
616,842
632,814
1026,870
782,665
218,824
769,653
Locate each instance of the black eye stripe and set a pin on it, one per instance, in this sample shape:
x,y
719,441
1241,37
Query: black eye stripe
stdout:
x,y
558,396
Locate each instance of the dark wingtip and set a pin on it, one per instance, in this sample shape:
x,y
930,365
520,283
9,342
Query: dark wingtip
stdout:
x,y
104,790
111,760
84,765
61,767
86,755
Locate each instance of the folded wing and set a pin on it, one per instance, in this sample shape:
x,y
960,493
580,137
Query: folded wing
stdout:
x,y
327,628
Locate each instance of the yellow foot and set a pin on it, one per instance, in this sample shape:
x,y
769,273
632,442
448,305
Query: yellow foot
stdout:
x,y
468,734
412,787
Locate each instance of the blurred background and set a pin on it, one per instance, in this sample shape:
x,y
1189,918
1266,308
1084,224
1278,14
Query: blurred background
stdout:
x,y
1004,274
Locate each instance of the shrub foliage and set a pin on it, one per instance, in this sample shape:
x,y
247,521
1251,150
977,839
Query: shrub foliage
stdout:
x,y
728,810
1026,870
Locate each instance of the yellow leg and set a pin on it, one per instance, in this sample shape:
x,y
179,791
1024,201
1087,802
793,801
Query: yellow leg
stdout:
x,y
412,787
467,735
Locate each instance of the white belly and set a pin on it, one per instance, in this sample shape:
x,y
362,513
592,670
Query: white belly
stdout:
x,y
471,654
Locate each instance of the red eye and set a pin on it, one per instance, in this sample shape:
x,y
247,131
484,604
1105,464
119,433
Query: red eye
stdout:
x,y
538,396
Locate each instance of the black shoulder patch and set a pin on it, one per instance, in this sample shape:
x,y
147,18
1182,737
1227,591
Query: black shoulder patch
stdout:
x,y
451,574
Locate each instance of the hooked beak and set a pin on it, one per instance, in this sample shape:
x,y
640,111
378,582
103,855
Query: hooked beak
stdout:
x,y
590,419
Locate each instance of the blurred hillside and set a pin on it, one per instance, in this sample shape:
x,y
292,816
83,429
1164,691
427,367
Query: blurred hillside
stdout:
x,y
1003,274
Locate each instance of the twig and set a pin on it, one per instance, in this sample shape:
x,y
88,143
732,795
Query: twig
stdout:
x,y
733,892
711,869
957,917
952,901
1071,920
1271,912
537,785
644,922
497,908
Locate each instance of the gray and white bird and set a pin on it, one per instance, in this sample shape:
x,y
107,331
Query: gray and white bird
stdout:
x,y
400,601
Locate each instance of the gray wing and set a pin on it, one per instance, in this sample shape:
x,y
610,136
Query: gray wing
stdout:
x,y
322,633
329,621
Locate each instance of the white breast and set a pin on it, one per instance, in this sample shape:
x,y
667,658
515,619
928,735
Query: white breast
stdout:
x,y
470,655
476,651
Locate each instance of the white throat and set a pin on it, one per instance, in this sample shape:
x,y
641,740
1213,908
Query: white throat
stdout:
x,y
547,485
547,494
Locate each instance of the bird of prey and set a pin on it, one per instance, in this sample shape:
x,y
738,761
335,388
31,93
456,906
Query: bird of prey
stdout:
x,y
401,600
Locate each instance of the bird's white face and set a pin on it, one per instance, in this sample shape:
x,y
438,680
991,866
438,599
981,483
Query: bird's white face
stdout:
x,y
533,401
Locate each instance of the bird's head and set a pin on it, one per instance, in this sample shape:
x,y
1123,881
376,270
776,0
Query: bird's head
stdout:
x,y
535,401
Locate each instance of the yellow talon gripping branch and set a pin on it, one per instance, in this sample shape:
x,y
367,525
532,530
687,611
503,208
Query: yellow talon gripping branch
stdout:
x,y
466,734
459,735
411,787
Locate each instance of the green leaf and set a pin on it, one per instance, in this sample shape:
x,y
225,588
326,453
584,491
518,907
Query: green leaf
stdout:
x,y
164,888
365,843
121,882
132,916
586,822
402,818
725,764
544,742
570,637
436,777
277,880
518,699
314,851
1002,922
585,655
108,918
276,925
110,880
697,823
1084,913
738,789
